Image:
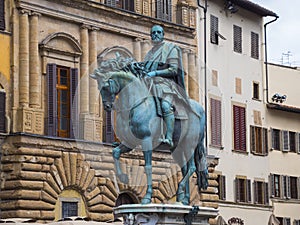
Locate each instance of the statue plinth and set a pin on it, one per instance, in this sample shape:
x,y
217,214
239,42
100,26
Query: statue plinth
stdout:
x,y
165,214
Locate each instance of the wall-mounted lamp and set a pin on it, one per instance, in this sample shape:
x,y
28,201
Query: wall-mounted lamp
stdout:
x,y
231,7
279,98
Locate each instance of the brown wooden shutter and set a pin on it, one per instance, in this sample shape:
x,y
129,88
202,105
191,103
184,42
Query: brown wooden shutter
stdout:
x,y
237,39
2,15
252,140
74,123
239,127
265,142
216,122
52,100
2,112
255,192
237,190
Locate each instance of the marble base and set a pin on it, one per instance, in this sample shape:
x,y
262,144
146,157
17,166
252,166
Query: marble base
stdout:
x,y
164,214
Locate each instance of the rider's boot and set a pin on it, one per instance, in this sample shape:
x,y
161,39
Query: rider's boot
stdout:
x,y
170,122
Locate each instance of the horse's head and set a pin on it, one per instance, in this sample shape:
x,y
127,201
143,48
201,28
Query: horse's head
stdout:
x,y
108,88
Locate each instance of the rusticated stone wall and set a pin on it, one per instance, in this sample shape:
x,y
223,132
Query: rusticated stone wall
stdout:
x,y
35,170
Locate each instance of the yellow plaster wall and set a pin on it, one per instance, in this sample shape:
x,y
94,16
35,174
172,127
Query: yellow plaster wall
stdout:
x,y
5,55
70,194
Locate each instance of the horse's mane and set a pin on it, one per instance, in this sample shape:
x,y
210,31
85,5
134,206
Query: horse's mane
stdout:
x,y
128,65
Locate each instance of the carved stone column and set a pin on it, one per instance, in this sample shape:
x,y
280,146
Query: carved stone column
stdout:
x,y
34,65
193,77
23,59
145,46
185,67
137,49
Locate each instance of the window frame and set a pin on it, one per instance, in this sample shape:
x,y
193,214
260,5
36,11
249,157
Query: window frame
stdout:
x,y
2,110
2,15
261,192
163,10
255,93
221,187
214,29
242,189
259,140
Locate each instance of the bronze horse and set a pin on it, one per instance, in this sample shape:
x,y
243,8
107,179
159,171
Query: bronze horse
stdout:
x,y
137,123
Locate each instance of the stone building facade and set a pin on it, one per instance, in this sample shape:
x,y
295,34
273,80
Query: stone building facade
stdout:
x,y
56,152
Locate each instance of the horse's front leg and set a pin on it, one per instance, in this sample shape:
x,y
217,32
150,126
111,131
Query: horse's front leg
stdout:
x,y
147,151
117,151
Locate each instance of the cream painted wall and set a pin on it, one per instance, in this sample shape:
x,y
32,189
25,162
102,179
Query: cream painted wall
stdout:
x,y
5,56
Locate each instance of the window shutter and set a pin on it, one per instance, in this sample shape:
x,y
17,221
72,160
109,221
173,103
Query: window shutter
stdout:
x,y
265,142
214,28
248,190
159,9
252,140
285,141
298,142
288,187
2,112
74,123
239,128
272,186
255,192
216,123
237,190
52,100
109,132
2,15
266,193
298,187
237,39
168,10
254,45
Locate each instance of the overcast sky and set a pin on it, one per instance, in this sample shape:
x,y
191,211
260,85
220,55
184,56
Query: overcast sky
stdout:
x,y
283,36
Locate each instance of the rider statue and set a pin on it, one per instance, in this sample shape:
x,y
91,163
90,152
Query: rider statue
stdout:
x,y
164,64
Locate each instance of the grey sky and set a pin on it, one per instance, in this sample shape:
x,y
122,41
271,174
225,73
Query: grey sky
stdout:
x,y
283,35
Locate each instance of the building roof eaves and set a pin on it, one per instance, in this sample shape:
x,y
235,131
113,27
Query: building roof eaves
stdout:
x,y
253,7
283,108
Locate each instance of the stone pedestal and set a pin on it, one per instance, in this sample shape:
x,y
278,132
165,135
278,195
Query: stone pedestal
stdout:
x,y
165,214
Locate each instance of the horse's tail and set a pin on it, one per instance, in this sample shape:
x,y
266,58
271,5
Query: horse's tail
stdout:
x,y
200,157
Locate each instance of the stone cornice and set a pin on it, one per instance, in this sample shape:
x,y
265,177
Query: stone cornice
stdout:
x,y
105,24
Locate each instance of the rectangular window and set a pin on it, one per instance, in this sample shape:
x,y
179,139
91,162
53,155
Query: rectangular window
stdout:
x,y
214,29
108,131
284,220
275,185
239,128
2,15
259,140
62,118
275,139
237,39
122,4
222,187
254,45
69,209
255,91
294,181
2,111
216,122
261,191
292,141
243,190
164,9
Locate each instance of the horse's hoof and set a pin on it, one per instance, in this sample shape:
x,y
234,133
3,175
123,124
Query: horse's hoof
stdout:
x,y
146,199
123,178
185,201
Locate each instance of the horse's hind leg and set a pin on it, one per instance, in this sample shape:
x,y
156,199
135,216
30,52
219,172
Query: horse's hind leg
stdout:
x,y
117,151
147,151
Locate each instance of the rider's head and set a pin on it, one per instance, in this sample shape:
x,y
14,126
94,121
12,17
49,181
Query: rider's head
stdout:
x,y
157,34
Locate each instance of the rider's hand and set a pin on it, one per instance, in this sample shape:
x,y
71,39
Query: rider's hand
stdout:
x,y
151,74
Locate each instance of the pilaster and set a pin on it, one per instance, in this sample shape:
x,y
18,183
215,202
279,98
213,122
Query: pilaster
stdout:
x,y
34,63
185,68
137,49
193,78
23,58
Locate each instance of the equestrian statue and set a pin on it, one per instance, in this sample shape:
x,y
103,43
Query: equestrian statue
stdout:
x,y
154,111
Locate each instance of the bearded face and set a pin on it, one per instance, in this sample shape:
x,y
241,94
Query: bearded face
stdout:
x,y
157,34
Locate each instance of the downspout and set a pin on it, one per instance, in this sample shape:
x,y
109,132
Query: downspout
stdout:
x,y
204,8
266,59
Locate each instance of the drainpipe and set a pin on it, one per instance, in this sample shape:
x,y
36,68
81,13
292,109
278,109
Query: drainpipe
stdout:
x,y
204,8
266,58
